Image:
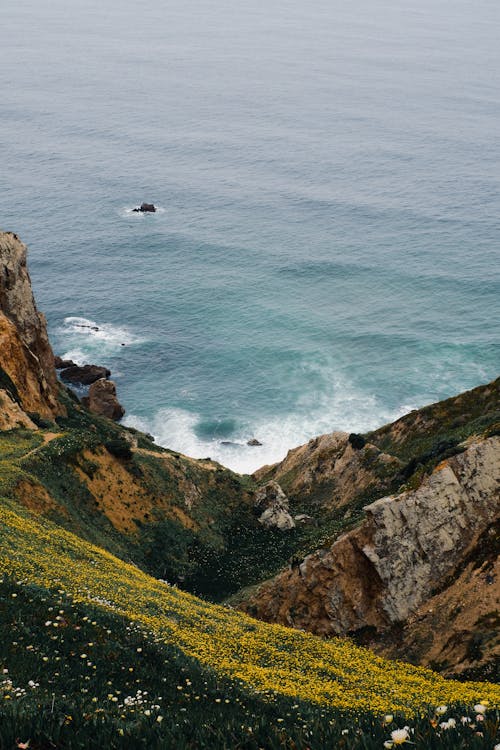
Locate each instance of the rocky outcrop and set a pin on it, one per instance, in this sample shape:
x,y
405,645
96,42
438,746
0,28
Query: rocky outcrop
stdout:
x,y
11,414
409,546
272,504
102,400
62,364
145,208
341,470
27,374
457,631
327,473
84,375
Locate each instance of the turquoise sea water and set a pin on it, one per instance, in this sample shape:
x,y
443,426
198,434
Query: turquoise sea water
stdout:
x,y
326,255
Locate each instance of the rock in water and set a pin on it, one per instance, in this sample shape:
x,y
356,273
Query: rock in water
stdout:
x,y
273,503
62,364
145,208
102,400
84,375
254,441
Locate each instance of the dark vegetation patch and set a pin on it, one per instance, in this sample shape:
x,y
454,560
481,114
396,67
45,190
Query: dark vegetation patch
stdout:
x,y
357,441
42,422
119,448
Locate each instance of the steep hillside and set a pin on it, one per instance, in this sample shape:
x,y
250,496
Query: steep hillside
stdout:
x,y
93,617
174,516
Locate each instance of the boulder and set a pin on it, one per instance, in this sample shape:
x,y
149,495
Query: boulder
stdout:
x,y
84,375
254,441
145,208
272,503
304,520
102,400
62,364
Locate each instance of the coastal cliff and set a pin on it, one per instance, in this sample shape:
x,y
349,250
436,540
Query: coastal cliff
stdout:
x,y
28,381
391,537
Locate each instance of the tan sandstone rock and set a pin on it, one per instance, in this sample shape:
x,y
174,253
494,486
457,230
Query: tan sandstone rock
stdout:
x,y
102,400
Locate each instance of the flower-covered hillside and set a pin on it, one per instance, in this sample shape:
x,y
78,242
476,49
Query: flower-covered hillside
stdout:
x,y
75,675
267,658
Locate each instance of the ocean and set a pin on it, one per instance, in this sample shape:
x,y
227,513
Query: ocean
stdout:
x,y
326,251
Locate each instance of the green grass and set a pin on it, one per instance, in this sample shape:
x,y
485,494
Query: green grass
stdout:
x,y
17,442
431,431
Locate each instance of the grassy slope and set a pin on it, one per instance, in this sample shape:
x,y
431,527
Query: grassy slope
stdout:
x,y
426,436
135,506
266,657
169,514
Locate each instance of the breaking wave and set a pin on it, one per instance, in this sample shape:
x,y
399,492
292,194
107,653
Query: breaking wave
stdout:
x,y
85,341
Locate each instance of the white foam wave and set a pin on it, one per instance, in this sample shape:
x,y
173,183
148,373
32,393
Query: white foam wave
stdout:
x,y
82,339
176,429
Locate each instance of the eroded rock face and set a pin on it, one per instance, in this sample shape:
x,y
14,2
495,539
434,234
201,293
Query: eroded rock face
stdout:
x,y
26,356
457,631
380,573
102,400
273,503
11,414
328,472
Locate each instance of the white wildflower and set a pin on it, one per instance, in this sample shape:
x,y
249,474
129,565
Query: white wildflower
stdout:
x,y
399,736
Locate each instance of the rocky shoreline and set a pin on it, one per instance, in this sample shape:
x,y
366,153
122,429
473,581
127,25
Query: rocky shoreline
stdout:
x,y
101,398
